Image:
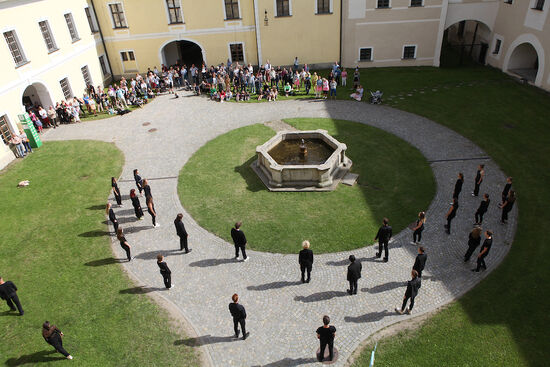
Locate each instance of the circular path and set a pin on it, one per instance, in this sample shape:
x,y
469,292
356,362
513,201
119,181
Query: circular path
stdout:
x,y
283,314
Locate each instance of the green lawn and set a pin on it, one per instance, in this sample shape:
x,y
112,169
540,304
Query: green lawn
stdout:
x,y
55,248
504,320
218,187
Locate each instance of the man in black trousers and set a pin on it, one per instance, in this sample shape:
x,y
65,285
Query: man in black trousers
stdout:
x,y
484,251
239,239
8,292
354,273
305,259
480,174
482,209
182,233
239,316
420,262
413,286
326,334
383,236
458,185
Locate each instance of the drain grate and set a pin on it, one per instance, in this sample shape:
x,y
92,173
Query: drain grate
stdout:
x,y
152,130
146,124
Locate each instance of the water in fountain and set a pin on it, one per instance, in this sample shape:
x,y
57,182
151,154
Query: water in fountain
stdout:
x,y
289,152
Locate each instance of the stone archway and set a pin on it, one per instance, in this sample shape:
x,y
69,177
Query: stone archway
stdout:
x,y
525,58
36,94
182,52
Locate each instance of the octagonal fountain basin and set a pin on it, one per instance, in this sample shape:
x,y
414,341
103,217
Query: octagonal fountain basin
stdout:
x,y
301,161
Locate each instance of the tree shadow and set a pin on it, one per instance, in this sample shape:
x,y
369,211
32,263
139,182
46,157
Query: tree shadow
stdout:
x,y
288,362
253,182
106,261
274,285
95,233
37,357
152,255
97,207
205,340
370,317
321,296
384,287
141,290
212,262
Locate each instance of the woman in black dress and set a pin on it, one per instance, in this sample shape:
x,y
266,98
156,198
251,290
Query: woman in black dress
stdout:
x,y
53,336
507,206
112,217
136,204
458,185
139,181
474,239
418,228
151,209
116,191
164,271
450,215
123,243
506,189
147,188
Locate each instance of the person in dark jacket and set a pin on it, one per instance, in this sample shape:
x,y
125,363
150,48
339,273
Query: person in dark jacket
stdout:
x,y
239,239
116,191
485,248
420,261
450,215
383,236
506,189
480,174
305,259
139,181
181,232
418,228
354,274
8,292
239,316
136,204
482,209
474,239
147,189
164,271
326,334
124,243
112,217
151,210
413,286
507,206
458,186
53,336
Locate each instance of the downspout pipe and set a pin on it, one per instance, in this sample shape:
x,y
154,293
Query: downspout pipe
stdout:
x,y
258,35
102,40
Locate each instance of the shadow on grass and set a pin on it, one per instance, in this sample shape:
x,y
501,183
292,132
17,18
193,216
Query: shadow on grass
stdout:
x,y
274,285
288,362
321,296
384,287
38,357
9,313
212,262
97,207
205,340
141,290
369,317
253,182
94,234
106,261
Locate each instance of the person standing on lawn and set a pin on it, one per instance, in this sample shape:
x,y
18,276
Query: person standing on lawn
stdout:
x,y
116,191
485,248
326,334
112,217
354,274
239,239
413,286
53,336
450,215
181,232
8,292
480,174
383,236
482,209
164,271
238,313
458,186
305,259
136,204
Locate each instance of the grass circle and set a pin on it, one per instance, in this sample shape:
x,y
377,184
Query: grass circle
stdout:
x,y
218,187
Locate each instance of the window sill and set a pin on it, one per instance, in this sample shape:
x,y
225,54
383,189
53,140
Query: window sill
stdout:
x,y
95,31
283,16
52,51
408,58
496,53
416,6
365,60
115,28
76,40
232,19
537,9
385,7
326,13
174,23
22,64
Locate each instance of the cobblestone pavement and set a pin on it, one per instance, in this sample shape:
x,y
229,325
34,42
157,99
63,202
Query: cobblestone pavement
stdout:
x,y
283,314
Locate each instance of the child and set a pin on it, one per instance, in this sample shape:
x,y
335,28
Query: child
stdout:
x,y
344,77
287,89
325,88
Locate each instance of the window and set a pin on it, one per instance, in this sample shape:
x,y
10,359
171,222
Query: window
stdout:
x,y
103,65
5,131
283,8
47,34
174,11
91,20
66,88
237,54
409,52
365,54
323,6
86,75
498,43
15,48
71,26
383,4
232,9
539,5
508,1
416,3
118,15
124,56
131,55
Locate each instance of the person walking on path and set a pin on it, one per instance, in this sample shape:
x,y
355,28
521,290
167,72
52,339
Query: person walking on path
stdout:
x,y
112,217
383,236
139,181
480,174
124,243
181,232
53,336
413,286
458,186
507,206
239,239
305,259
164,271
420,262
239,316
485,248
326,334
506,189
482,209
354,274
8,292
418,228
136,204
450,215
147,189
151,210
116,191
474,239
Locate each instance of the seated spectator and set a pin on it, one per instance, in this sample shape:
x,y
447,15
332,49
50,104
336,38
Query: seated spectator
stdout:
x,y
287,89
358,95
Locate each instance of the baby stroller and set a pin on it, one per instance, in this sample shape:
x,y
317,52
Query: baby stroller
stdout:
x,y
376,97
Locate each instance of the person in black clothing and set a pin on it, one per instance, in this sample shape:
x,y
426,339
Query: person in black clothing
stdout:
x,y
8,292
112,216
181,232
480,174
53,336
147,189
482,209
474,239
450,215
326,334
418,228
116,191
151,210
420,262
305,259
164,271
239,316
383,236
136,204
458,185
139,181
506,189
413,286
354,274
507,206
123,243
485,248
239,239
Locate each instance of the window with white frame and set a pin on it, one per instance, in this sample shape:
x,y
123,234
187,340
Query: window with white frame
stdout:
x,y
103,65
323,6
232,9
71,26
5,131
539,5
283,8
86,75
409,52
174,11
127,55
15,48
415,3
92,21
66,88
508,1
124,56
498,43
381,4
117,15
237,52
365,54
47,34
131,55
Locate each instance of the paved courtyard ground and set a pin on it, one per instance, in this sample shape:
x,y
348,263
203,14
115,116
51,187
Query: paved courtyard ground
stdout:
x,y
283,314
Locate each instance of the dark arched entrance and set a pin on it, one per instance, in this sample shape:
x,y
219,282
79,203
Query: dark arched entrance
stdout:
x,y
36,95
465,42
524,62
182,53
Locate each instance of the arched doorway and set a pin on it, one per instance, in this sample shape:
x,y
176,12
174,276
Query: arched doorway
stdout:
x,y
35,95
465,42
524,62
182,53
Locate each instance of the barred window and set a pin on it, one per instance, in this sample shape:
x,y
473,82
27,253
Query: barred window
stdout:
x,y
416,3
131,55
103,65
124,56
5,131
66,88
539,5
47,34
15,48
232,9
174,11
323,6
365,54
237,54
498,43
86,75
409,52
91,20
118,15
72,29
283,8
383,4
